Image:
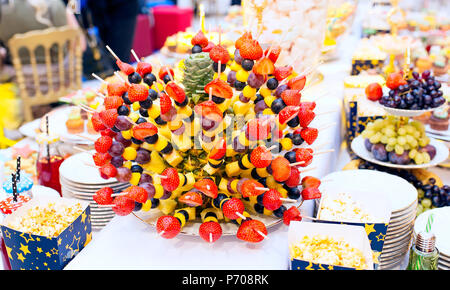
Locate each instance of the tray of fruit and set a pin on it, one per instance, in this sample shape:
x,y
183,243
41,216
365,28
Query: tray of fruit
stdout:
x,y
221,153
396,142
408,97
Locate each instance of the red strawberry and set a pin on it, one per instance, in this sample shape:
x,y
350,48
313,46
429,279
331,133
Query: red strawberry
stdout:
x,y
394,80
250,49
282,72
261,157
271,200
199,39
258,129
292,214
249,188
165,103
144,130
116,89
164,70
248,231
171,180
137,93
308,105
108,170
311,193
219,150
101,159
281,169
168,226
303,154
109,117
191,198
274,53
219,53
108,132
208,47
113,102
125,67
103,196
207,187
306,117
264,67
97,123
102,144
231,207
294,177
209,110
247,35
288,113
210,231
374,92
123,205
175,92
219,88
310,181
136,193
309,134
297,83
143,68
291,97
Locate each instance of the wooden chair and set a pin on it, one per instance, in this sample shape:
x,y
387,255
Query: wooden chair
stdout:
x,y
66,41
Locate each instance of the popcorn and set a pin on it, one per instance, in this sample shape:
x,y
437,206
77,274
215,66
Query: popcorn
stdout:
x,y
343,208
47,221
323,249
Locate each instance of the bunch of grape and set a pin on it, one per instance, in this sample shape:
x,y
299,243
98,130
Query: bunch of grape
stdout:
x,y
416,93
430,195
396,140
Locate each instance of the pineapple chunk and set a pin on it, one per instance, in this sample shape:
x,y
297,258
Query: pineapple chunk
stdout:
x,y
241,108
153,112
210,170
190,180
190,211
174,158
167,206
232,169
183,142
223,184
165,131
156,163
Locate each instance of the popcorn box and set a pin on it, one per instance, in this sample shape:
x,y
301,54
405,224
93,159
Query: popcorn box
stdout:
x,y
376,205
28,251
353,235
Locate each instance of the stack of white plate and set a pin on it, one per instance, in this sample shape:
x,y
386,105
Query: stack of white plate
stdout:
x,y
81,181
440,228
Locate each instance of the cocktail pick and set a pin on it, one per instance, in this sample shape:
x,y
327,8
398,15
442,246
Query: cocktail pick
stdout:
x,y
14,187
18,168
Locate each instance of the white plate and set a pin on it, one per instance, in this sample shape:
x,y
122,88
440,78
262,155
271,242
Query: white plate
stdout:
x,y
29,129
39,190
439,137
399,192
440,227
360,149
406,113
75,169
445,134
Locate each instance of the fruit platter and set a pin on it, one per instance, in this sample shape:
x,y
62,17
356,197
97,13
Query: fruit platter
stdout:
x,y
408,96
397,142
224,152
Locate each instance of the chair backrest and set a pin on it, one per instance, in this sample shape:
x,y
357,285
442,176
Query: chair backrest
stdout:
x,y
61,75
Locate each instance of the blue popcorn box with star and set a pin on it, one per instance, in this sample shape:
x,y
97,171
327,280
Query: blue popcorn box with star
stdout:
x,y
375,207
354,236
30,251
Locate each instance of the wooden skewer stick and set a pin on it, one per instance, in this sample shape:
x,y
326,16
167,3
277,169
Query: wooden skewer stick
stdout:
x,y
262,188
100,95
86,137
261,233
297,163
308,169
272,147
288,199
112,52
210,93
324,151
86,109
119,194
99,78
120,77
135,55
161,233
130,120
160,176
83,150
105,205
219,70
326,112
210,238
241,215
326,126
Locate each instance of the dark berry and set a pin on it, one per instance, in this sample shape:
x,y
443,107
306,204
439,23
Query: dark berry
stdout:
x,y
247,64
239,85
146,104
277,105
149,79
272,83
294,122
297,139
166,79
123,110
134,78
223,66
290,156
196,49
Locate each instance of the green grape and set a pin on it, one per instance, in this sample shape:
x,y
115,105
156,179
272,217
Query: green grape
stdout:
x,y
392,141
389,148
401,131
420,193
391,119
426,157
419,209
414,143
401,140
407,146
375,138
409,139
412,153
423,142
416,134
384,139
369,126
418,158
368,133
389,132
426,203
409,129
399,149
